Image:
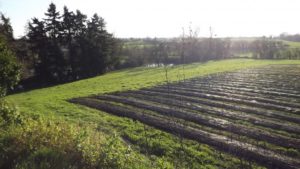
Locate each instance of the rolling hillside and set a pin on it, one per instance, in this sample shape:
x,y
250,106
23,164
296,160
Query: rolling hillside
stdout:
x,y
153,145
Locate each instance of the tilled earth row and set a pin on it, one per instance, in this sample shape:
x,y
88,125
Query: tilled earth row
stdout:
x,y
259,104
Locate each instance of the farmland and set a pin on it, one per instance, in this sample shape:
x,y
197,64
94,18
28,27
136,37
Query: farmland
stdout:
x,y
149,85
251,113
160,148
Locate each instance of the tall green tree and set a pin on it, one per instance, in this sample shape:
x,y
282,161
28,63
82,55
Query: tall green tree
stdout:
x,y
99,46
52,23
69,46
6,29
39,41
80,24
52,56
49,61
68,26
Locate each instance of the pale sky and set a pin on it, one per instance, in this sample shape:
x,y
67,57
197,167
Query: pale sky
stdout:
x,y
165,18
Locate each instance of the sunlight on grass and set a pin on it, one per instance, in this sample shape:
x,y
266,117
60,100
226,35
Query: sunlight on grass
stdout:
x,y
53,99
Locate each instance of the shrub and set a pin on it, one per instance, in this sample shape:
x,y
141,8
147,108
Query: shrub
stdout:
x,y
49,144
9,69
8,114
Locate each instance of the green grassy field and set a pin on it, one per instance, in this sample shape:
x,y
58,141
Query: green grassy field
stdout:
x,y
244,55
292,44
52,102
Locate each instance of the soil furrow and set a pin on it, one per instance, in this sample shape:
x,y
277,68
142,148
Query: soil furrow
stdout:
x,y
230,104
247,151
235,95
254,133
265,91
283,127
232,99
247,93
255,86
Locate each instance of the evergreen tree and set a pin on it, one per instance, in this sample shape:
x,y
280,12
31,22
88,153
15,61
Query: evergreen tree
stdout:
x,y
38,40
80,24
69,46
55,61
68,26
6,29
99,47
52,22
49,62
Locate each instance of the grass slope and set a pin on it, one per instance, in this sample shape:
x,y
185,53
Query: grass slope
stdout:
x,y
52,102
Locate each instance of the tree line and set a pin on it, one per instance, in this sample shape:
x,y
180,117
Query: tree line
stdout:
x,y
294,38
265,48
69,46
182,50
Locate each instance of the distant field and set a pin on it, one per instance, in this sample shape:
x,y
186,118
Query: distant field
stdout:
x,y
292,44
136,44
154,144
243,54
248,39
